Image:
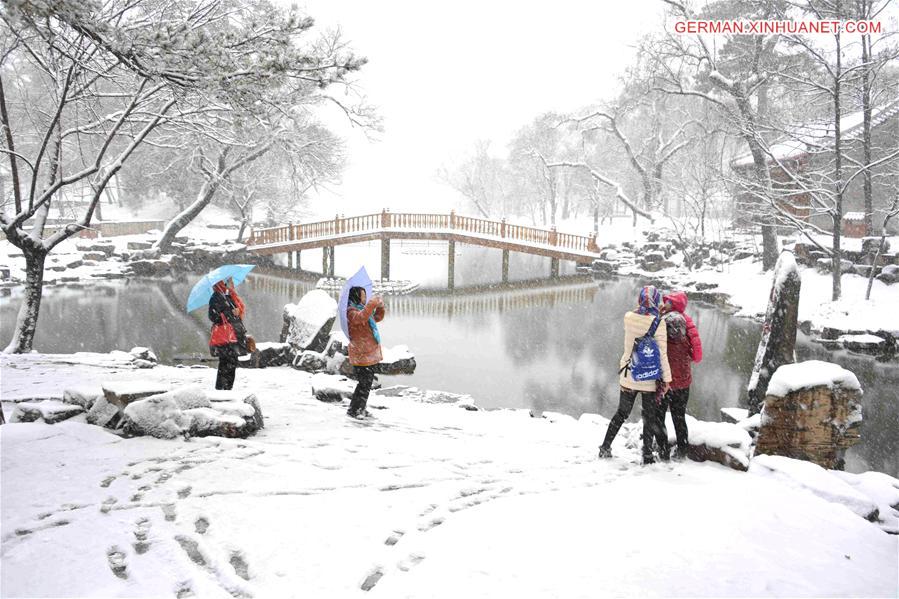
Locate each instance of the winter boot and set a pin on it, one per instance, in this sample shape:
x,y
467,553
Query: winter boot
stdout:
x,y
648,459
604,452
680,454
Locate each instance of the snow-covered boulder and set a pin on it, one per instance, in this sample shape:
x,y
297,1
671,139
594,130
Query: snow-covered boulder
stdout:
x,y
121,393
220,399
882,489
150,268
84,396
144,354
158,416
429,396
310,361
889,274
99,247
812,412
307,324
331,388
193,411
865,343
734,415
727,444
103,413
809,374
270,354
395,360
50,411
817,480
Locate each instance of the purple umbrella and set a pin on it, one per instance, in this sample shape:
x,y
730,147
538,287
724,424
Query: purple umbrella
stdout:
x,y
360,279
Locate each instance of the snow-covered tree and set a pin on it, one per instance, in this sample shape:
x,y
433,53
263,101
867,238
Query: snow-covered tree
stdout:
x,y
86,83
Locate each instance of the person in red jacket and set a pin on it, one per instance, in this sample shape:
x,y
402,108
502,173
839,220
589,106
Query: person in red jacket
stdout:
x,y
684,348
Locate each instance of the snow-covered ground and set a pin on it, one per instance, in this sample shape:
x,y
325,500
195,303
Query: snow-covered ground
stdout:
x,y
424,501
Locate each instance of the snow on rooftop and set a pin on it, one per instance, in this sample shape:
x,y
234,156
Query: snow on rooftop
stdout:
x,y
812,373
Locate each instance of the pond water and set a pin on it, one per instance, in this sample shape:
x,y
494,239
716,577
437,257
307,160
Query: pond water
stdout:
x,y
539,344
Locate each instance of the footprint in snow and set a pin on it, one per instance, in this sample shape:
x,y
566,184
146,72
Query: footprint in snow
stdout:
x,y
107,504
239,563
433,523
394,538
192,549
201,525
169,511
372,579
116,559
410,562
182,493
107,481
141,533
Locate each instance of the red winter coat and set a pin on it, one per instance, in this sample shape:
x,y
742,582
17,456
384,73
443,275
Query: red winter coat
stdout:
x,y
684,345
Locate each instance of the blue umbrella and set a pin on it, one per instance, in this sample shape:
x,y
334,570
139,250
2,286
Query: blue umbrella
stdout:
x,y
202,291
360,279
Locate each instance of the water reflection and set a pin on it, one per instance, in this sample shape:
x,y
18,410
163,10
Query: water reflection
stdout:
x,y
552,346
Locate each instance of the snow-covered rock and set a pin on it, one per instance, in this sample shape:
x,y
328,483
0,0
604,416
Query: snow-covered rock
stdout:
x,y
310,361
144,353
308,323
882,489
428,396
811,373
734,415
817,480
50,411
195,412
865,343
722,442
270,354
120,394
395,360
103,413
83,396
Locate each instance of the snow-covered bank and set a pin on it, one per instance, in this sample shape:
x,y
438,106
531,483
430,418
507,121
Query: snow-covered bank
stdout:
x,y
426,500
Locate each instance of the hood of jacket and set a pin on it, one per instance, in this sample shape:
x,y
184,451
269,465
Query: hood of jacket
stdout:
x,y
678,301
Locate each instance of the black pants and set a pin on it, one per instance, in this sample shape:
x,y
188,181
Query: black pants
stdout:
x,y
653,425
227,367
366,376
676,401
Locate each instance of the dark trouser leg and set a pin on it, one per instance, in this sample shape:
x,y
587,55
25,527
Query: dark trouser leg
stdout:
x,y
366,376
653,426
679,399
625,405
227,368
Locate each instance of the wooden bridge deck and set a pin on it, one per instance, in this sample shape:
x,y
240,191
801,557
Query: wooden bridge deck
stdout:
x,y
446,227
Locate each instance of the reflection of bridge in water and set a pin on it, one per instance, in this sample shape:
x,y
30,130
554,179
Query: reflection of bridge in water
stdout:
x,y
544,293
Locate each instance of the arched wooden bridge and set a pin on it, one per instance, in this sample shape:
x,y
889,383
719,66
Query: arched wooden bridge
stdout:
x,y
451,228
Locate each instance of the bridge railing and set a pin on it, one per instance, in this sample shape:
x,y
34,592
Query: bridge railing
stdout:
x,y
422,222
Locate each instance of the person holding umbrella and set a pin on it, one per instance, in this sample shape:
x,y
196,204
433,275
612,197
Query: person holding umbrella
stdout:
x,y
228,337
359,317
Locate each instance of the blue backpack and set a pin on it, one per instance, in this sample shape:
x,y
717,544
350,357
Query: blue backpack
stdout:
x,y
645,363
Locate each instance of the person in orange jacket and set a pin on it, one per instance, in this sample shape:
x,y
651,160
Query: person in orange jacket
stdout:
x,y
365,345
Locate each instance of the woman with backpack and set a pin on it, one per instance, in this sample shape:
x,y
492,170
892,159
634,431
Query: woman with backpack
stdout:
x,y
643,371
365,346
684,348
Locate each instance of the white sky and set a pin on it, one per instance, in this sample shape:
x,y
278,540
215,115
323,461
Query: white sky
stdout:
x,y
446,74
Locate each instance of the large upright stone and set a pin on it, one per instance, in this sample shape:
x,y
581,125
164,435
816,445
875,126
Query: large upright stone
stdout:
x,y
812,412
308,323
778,343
